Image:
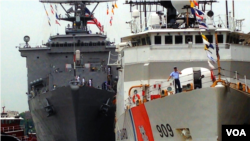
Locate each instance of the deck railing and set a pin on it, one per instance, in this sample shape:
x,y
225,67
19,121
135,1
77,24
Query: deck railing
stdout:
x,y
12,128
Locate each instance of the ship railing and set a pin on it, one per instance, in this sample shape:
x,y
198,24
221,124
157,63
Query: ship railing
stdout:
x,y
221,22
23,138
218,21
12,128
31,45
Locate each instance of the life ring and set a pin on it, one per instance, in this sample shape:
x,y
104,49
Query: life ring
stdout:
x,y
138,96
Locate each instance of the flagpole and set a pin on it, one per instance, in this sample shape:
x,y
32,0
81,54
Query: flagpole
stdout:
x,y
218,56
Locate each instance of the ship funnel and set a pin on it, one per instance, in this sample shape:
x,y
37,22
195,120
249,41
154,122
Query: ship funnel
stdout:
x,y
179,4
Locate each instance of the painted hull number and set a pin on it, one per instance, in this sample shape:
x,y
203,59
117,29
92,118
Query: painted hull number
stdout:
x,y
165,130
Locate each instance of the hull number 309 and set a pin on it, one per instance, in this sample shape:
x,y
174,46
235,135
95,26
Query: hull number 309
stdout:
x,y
165,130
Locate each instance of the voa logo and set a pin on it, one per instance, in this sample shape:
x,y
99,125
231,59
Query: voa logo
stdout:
x,y
236,132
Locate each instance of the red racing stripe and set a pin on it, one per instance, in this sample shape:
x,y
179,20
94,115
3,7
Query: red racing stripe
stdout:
x,y
142,123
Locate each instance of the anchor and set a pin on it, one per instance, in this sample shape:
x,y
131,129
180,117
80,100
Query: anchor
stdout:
x,y
49,108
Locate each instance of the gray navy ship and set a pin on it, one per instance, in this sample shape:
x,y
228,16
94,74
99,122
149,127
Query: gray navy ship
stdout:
x,y
63,107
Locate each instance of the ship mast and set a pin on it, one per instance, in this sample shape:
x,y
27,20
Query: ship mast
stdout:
x,y
81,14
218,56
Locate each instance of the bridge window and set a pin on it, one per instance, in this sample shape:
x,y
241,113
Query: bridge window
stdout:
x,y
157,40
148,41
188,38
178,39
138,42
220,38
143,40
198,39
210,38
168,40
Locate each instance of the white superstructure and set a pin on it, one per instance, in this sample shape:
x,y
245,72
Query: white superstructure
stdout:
x,y
147,58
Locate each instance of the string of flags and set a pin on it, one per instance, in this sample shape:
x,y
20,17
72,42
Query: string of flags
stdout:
x,y
200,16
111,18
114,5
56,16
52,10
47,15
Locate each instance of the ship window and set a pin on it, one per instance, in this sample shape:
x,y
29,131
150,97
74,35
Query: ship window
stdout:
x,y
148,41
198,39
143,40
37,57
103,43
82,44
210,38
168,40
86,44
138,42
66,56
157,40
2,121
220,38
9,121
134,43
188,38
90,43
178,39
98,43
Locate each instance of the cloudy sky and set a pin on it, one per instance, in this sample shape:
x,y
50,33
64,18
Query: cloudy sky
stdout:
x,y
28,17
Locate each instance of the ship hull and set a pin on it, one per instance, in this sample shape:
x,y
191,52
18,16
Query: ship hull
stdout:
x,y
202,111
76,115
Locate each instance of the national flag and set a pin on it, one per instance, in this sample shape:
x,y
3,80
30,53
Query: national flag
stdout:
x,y
87,11
113,11
113,6
97,23
116,5
49,23
56,7
57,22
90,22
211,58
